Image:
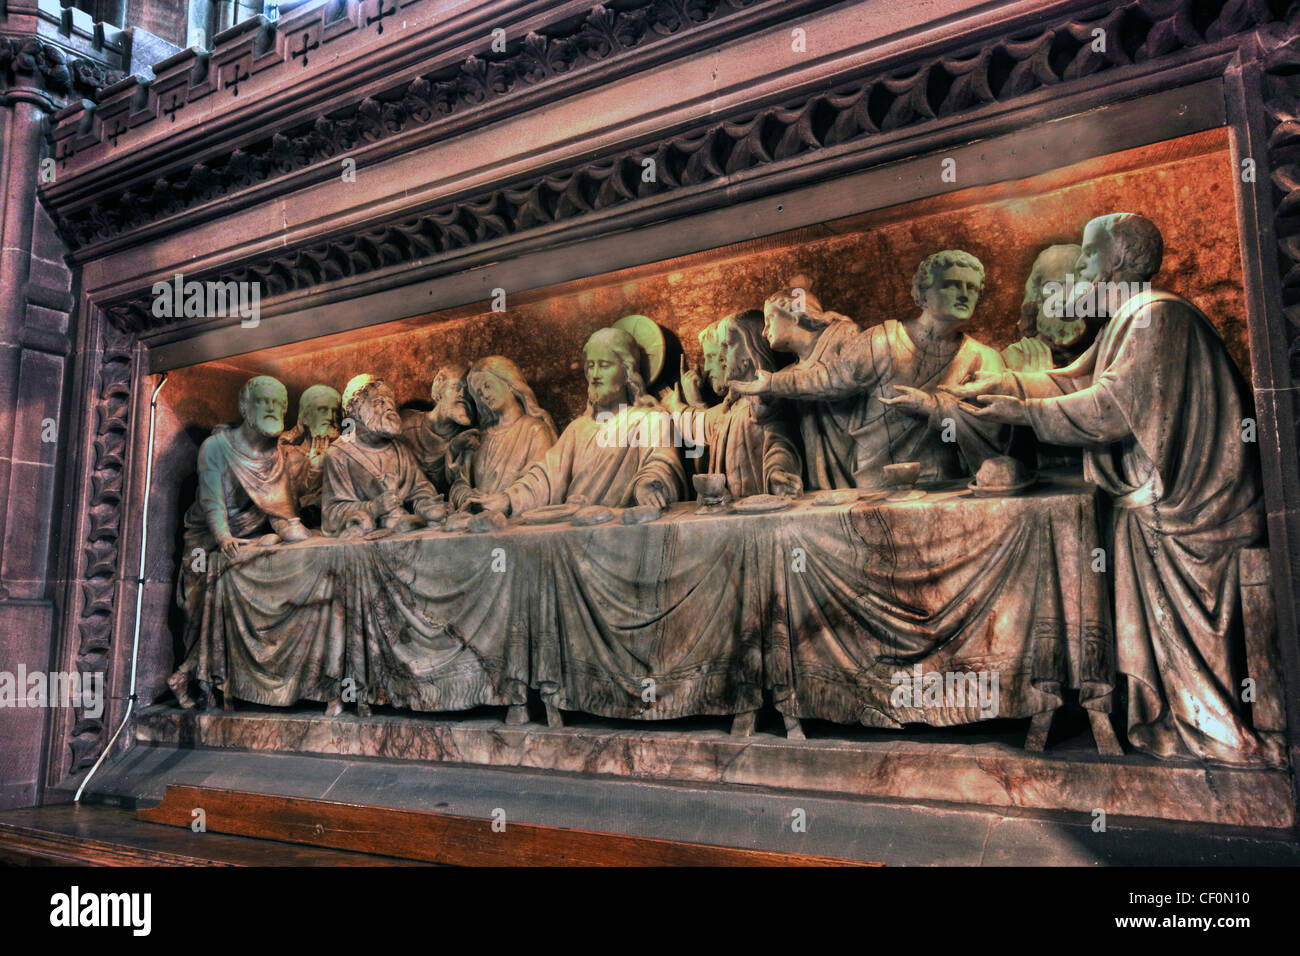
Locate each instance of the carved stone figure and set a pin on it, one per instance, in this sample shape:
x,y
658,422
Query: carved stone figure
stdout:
x,y
1157,405
868,398
430,435
304,448
243,490
619,452
513,430
1048,339
749,441
370,476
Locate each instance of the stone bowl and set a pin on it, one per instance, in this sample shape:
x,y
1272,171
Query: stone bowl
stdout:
x,y
711,485
903,472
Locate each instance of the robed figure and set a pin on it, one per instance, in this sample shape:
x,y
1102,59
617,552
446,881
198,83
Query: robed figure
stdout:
x,y
514,430
371,478
620,452
1158,407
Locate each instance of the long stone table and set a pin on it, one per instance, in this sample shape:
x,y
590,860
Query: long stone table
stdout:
x,y
839,611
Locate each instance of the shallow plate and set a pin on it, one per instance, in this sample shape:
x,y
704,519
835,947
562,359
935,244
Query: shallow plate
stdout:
x,y
987,492
762,504
593,514
550,514
843,496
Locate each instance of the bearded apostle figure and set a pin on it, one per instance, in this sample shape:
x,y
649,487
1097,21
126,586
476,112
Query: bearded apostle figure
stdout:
x,y
370,476
1157,406
1047,338
439,436
619,452
243,491
514,430
869,398
304,448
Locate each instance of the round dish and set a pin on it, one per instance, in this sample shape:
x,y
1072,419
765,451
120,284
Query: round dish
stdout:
x,y
762,504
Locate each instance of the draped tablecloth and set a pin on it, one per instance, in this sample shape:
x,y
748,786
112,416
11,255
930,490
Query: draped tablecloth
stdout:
x,y
689,614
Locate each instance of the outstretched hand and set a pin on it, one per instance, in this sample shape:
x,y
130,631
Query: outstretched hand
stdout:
x,y
911,400
982,383
760,384
1001,408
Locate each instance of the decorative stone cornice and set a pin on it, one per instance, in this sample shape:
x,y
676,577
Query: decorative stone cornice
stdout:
x,y
29,64
259,52
931,89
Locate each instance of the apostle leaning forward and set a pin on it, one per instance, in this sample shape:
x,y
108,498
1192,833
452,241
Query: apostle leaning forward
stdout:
x,y
867,398
1158,408
618,453
244,490
371,477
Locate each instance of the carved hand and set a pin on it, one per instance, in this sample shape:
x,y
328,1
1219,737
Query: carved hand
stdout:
x,y
651,493
1002,408
983,383
784,483
498,502
386,502
692,383
760,384
230,545
911,400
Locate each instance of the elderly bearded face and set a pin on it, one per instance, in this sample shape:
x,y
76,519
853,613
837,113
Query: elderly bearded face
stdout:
x,y
264,408
319,411
377,413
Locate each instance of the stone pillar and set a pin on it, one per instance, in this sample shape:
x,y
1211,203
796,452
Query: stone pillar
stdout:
x,y
35,302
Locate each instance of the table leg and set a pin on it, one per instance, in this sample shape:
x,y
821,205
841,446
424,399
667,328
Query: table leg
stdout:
x,y
1039,725
1103,733
793,729
553,716
742,725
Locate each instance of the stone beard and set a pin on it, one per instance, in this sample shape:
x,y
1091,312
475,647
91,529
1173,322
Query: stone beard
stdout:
x,y
362,468
606,461
430,435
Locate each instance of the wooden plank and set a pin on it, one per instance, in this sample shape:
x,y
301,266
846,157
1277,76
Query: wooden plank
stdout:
x,y
69,835
444,838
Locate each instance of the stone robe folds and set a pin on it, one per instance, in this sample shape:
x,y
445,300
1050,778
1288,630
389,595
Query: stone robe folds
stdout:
x,y
748,442
603,462
429,447
503,453
845,427
355,475
1157,405
238,494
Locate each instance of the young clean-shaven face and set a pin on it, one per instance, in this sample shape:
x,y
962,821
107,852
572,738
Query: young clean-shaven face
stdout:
x,y
953,295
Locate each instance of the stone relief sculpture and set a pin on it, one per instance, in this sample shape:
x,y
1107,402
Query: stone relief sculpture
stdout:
x,y
869,398
430,622
513,432
244,489
1049,338
430,435
371,477
618,453
750,441
304,447
1158,407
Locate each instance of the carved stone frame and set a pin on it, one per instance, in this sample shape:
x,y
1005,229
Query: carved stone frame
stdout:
x,y
1252,81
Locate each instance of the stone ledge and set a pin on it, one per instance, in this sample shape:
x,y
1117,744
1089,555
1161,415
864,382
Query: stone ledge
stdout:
x,y
990,774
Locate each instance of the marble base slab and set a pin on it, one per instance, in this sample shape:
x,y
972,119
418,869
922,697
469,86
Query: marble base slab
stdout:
x,y
983,773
